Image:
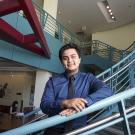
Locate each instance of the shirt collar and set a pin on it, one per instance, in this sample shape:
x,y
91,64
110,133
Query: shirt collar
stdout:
x,y
75,75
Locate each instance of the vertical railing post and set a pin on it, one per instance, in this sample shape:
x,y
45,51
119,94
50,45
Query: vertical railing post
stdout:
x,y
110,53
111,80
126,128
72,38
43,20
60,31
132,75
92,47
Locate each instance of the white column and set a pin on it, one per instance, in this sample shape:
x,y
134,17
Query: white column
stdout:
x,y
51,7
41,79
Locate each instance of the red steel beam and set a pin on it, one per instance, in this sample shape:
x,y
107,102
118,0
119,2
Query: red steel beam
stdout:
x,y
31,47
13,36
9,6
12,32
9,34
30,14
31,38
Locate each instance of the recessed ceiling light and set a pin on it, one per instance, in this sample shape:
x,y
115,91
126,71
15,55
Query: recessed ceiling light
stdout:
x,y
106,10
84,28
110,10
69,21
59,12
107,7
111,13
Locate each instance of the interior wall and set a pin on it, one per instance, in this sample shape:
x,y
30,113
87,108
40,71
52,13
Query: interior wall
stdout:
x,y
18,88
41,79
120,38
51,7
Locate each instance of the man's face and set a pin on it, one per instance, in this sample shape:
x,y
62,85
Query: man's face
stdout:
x,y
71,60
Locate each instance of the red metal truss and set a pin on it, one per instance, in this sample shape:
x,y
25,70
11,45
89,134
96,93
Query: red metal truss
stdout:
x,y
9,6
10,34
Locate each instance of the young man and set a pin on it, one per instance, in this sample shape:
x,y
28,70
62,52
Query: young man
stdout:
x,y
86,90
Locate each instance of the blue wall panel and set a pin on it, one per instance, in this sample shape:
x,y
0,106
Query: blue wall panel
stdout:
x,y
6,51
18,22
21,55
97,60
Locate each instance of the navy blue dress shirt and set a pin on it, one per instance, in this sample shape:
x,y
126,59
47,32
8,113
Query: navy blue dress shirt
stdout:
x,y
86,86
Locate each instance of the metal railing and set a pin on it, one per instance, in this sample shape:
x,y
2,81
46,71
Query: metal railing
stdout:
x,y
26,116
54,28
52,121
105,51
107,122
119,77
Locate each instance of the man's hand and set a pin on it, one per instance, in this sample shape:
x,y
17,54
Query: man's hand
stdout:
x,y
78,104
68,112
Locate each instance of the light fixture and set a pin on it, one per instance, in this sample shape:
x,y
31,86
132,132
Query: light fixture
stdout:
x,y
84,28
107,7
111,13
106,10
110,10
59,12
69,21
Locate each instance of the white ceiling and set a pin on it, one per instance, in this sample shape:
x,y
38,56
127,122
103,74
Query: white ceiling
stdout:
x,y
74,14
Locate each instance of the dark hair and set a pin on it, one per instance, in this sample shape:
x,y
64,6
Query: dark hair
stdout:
x,y
69,46
14,107
14,103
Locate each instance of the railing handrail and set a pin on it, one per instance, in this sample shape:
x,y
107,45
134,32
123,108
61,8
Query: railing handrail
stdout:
x,y
100,122
131,46
124,59
36,110
52,121
127,65
37,118
57,22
